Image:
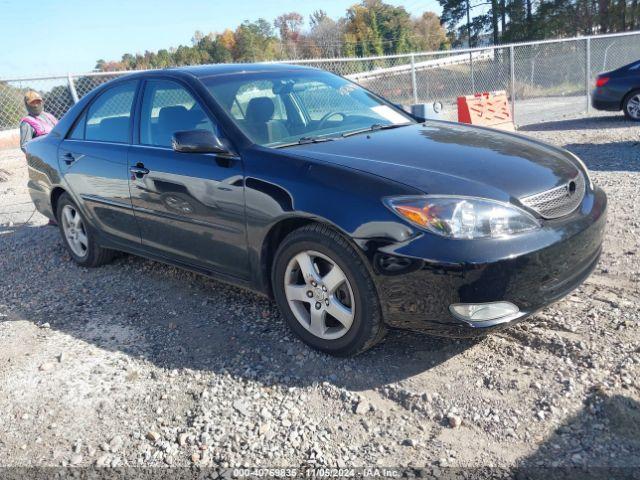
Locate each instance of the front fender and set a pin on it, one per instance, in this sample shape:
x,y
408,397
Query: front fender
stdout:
x,y
280,188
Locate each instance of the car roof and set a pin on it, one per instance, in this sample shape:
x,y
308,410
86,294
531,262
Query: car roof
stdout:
x,y
203,71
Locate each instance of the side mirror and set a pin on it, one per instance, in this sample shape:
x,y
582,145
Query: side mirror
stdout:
x,y
198,141
410,112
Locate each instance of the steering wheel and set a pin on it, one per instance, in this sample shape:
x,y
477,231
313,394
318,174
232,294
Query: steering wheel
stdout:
x,y
326,117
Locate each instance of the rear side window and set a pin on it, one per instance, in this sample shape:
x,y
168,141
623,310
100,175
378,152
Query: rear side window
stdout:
x,y
78,130
109,117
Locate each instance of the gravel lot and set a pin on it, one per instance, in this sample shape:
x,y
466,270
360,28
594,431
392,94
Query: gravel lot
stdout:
x,y
139,363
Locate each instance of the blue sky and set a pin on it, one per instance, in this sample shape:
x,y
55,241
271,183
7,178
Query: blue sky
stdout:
x,y
59,36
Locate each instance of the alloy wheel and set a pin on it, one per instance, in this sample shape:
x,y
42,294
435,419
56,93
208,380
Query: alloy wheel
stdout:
x,y
74,231
633,107
319,295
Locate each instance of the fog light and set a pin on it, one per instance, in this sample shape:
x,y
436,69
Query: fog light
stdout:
x,y
484,313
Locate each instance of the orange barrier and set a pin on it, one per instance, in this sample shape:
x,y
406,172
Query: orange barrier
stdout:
x,y
489,109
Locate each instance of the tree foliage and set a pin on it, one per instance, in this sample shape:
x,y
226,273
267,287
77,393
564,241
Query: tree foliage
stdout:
x,y
519,20
371,27
428,34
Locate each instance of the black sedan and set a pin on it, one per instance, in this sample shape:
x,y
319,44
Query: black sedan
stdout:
x,y
619,90
307,188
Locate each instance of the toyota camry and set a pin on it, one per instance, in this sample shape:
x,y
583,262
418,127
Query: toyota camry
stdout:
x,y
300,185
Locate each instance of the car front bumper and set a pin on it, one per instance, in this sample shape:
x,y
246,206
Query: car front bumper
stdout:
x,y
420,279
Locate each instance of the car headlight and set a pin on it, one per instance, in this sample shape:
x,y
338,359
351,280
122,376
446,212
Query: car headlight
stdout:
x,y
463,217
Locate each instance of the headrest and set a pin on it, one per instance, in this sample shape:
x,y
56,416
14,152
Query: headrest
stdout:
x,y
177,115
114,128
260,110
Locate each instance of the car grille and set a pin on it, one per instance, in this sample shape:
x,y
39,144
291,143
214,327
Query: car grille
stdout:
x,y
558,201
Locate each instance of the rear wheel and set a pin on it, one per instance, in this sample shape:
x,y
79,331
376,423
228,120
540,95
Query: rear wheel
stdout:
x,y
326,293
631,106
77,236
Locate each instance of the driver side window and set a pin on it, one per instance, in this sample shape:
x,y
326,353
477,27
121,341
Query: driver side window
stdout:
x,y
168,107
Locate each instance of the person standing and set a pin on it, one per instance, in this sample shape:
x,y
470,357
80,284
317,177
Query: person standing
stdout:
x,y
37,122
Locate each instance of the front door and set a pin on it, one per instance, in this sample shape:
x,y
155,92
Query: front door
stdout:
x,y
189,206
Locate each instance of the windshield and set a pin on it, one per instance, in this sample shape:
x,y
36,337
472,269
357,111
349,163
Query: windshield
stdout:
x,y
282,108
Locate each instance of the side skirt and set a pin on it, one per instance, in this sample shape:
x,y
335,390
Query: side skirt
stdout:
x,y
142,252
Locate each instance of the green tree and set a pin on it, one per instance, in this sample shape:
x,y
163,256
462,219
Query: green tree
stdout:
x,y
218,52
163,59
362,30
12,106
375,28
254,41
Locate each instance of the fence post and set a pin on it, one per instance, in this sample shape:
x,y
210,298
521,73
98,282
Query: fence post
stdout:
x,y
473,74
512,82
72,88
414,83
587,79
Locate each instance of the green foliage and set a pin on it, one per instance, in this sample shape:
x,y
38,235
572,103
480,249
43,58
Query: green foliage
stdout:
x,y
371,27
376,28
254,41
12,105
522,20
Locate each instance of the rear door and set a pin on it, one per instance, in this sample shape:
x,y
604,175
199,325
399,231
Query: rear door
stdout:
x,y
93,159
189,206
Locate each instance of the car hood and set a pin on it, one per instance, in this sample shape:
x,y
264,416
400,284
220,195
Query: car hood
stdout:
x,y
448,158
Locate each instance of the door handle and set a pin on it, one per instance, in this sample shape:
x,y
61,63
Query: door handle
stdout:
x,y
138,171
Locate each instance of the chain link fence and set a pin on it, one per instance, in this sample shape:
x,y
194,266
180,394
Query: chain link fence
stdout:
x,y
544,80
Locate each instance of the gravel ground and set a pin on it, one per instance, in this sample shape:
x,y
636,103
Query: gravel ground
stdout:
x,y
138,363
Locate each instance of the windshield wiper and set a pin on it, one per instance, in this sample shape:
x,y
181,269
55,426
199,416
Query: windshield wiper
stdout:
x,y
374,127
305,141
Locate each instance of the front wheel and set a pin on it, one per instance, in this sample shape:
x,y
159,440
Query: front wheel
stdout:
x,y
77,236
326,293
631,106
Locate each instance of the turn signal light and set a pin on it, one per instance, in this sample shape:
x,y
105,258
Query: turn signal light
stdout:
x,y
602,81
415,214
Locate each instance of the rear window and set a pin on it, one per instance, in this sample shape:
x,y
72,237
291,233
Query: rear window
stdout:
x,y
109,117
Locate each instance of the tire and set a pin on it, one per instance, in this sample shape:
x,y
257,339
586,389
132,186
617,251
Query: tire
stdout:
x,y
352,297
631,106
92,255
